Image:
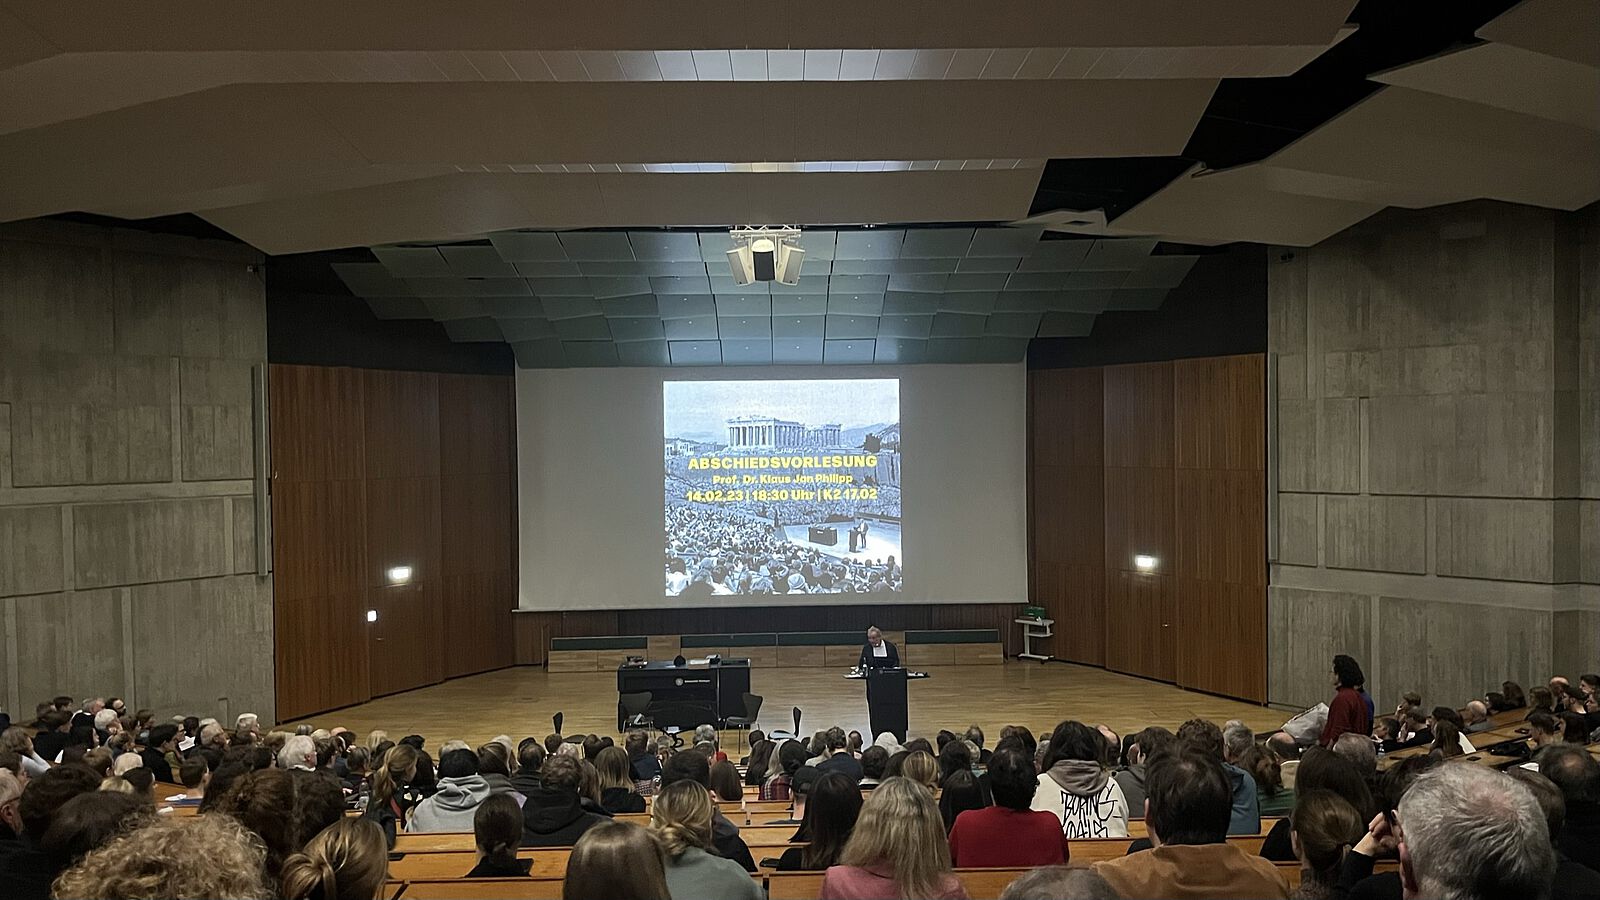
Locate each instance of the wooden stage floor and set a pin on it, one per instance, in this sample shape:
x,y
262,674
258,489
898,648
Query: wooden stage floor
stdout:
x,y
520,701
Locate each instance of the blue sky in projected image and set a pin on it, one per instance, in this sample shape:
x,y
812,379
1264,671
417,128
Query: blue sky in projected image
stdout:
x,y
699,410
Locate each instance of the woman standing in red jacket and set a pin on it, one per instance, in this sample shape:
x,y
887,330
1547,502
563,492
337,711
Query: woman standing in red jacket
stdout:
x,y
1348,710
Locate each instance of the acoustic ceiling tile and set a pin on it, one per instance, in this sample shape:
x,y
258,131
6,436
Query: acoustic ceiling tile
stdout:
x,y
639,65
1066,324
595,354
1085,281
939,266
398,307
823,65
1016,242
1040,63
588,328
560,287
478,260
744,305
749,65
724,284
1024,301
603,288
695,353
1113,254
847,352
712,65
371,280
900,350
1160,272
597,245
746,353
468,287
643,353
858,284
797,351
570,307
856,304
799,304
907,303
936,243
681,284
947,324
633,305
744,327
518,330
858,65
967,64
894,65
636,328
528,246
808,284
1013,325
924,283
1565,29
1037,281
1137,299
1091,301
1510,78
962,282
685,306
863,266
869,243
979,304
971,264
412,262
1056,256
977,350
819,245
1243,204
656,268
615,268
512,307
798,326
445,308
665,246
675,65
702,329
904,326
851,327
540,354
1005,63
555,268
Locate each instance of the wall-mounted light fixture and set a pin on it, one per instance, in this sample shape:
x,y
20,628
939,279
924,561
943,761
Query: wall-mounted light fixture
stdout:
x,y
399,574
1144,562
372,615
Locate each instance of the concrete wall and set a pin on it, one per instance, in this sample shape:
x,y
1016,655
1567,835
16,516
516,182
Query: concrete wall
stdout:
x,y
127,536
1438,452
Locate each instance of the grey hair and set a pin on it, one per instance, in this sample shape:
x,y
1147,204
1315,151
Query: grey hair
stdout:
x,y
104,719
299,750
1473,832
1359,750
1236,739
1057,882
705,733
456,744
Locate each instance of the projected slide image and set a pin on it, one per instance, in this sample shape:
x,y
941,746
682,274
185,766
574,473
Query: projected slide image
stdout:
x,y
782,487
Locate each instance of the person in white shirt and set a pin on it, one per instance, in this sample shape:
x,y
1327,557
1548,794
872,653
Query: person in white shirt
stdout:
x,y
878,653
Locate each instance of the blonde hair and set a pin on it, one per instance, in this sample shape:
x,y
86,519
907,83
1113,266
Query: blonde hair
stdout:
x,y
680,817
205,856
348,860
16,740
614,767
617,861
399,764
126,762
921,768
900,827
374,738
116,784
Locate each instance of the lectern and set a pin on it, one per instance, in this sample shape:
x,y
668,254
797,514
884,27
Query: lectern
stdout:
x,y
886,699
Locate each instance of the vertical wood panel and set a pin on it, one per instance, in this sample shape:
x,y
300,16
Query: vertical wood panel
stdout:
x,y
1140,635
1138,415
1066,509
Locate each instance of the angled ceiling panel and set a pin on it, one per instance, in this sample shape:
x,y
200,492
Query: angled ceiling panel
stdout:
x,y
1509,78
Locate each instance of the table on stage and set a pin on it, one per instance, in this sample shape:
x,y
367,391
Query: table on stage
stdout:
x,y
688,695
887,707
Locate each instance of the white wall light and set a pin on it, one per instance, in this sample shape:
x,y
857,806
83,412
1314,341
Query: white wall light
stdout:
x,y
399,574
372,615
1144,562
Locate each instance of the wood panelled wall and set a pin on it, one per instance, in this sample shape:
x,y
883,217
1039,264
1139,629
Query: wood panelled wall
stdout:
x,y
1165,459
374,469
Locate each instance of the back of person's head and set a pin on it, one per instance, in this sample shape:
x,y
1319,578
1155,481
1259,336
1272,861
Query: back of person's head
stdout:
x,y
1545,723
834,739
637,743
1398,779
560,773
975,735
263,802
688,767
873,761
1572,769
1574,728
1541,698
1446,739
1323,826
497,827
88,821
680,816
959,793
162,734
1360,752
553,742
318,803
953,758
398,767
900,829
1189,799
46,794
1153,740
125,762
922,768
357,760
1059,883
1348,671
1325,770
1446,714
725,781
617,861
298,751
1263,767
458,764
1074,741
922,744
895,764
832,807
1472,832
592,745
615,770
192,771
206,856
530,755
791,756
1236,739
1011,779
1201,736
1549,796
348,860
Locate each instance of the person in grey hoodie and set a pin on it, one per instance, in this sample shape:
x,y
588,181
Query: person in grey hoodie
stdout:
x,y
460,791
1077,788
1130,777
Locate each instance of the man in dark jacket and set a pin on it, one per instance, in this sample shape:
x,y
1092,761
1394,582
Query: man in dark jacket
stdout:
x,y
689,765
553,816
1577,774
162,739
530,757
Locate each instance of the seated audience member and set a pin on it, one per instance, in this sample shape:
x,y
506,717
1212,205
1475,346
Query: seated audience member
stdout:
x,y
791,756
838,756
1272,798
163,738
898,849
616,782
1577,774
1288,752
392,798
959,793
193,775
1077,788
854,742
1572,879
530,756
1058,883
888,742
1360,752
725,781
617,861
208,856
1130,777
262,801
1544,729
724,834
10,820
553,816
1384,730
974,735
88,821
1320,770
755,773
348,860
460,790
51,737
1449,714
494,767
1476,717
1541,700
125,763
1446,740
1575,728
1204,736
874,760
1466,832
680,817
27,870
16,740
1011,832
894,766
921,767
954,757
1322,826
1189,806
1515,697
831,809
496,834
1348,711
